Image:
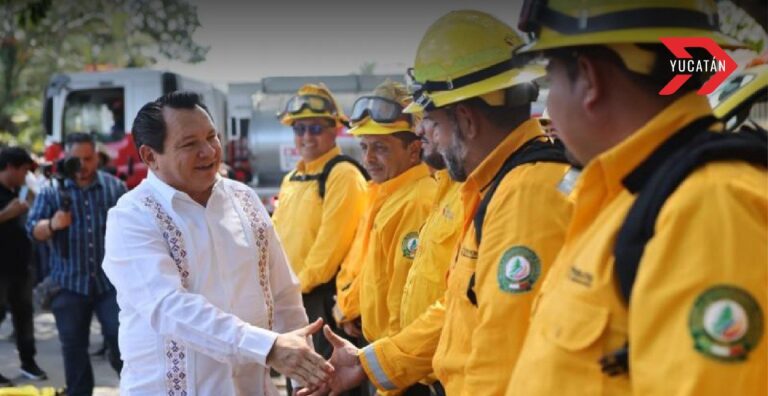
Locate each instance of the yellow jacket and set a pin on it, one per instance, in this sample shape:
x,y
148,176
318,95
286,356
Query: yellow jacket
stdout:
x,y
524,228
437,245
424,287
371,282
472,348
317,233
707,261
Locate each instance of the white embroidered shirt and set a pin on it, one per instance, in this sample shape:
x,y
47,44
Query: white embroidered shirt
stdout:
x,y
199,288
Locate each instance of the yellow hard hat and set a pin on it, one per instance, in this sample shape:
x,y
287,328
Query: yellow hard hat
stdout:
x,y
311,101
568,23
467,54
382,112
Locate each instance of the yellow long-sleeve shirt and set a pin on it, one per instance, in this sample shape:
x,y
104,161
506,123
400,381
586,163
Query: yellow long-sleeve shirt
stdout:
x,y
472,348
426,280
708,260
317,233
371,281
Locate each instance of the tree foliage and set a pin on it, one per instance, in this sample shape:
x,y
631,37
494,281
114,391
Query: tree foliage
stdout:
x,y
42,37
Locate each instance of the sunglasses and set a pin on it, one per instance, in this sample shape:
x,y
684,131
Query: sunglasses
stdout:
x,y
313,129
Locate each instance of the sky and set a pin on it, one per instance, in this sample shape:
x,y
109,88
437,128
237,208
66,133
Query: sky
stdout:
x,y
253,39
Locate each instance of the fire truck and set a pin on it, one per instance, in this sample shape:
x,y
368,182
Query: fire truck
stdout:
x,y
258,149
105,103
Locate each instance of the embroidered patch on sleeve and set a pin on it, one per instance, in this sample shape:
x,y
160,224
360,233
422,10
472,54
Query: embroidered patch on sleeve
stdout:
x,y
725,323
519,269
410,244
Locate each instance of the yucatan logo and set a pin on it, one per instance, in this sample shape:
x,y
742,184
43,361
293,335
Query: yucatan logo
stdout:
x,y
720,64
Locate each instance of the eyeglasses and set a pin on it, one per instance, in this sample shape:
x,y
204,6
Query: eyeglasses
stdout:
x,y
381,110
315,104
313,129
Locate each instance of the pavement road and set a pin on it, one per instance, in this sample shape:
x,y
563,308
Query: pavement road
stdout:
x,y
49,358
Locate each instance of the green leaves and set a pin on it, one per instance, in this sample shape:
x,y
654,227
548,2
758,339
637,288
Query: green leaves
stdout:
x,y
41,37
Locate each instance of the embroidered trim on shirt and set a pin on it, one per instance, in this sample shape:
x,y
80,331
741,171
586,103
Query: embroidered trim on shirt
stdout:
x,y
172,236
175,352
259,228
175,375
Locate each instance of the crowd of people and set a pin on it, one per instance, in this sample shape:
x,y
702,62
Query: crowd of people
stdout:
x,y
467,252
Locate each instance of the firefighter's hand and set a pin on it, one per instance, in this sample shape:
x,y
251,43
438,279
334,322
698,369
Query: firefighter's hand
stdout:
x,y
16,208
294,358
348,372
352,329
61,220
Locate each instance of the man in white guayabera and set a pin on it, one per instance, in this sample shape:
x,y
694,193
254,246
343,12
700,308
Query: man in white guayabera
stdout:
x,y
207,300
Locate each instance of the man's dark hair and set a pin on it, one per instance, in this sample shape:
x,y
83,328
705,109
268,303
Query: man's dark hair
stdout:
x,y
406,137
79,137
661,72
15,157
503,117
149,126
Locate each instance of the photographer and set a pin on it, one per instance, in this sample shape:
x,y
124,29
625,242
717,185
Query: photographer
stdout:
x,y
72,214
15,274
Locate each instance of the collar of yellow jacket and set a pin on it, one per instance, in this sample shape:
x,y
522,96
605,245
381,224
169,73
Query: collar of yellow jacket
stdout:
x,y
317,165
444,184
616,163
484,173
413,174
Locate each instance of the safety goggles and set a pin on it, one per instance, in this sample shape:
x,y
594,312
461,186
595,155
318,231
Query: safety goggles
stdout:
x,y
537,14
313,129
381,110
314,103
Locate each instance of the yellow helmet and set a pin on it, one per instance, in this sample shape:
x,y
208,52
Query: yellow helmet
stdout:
x,y
568,23
382,112
467,54
312,100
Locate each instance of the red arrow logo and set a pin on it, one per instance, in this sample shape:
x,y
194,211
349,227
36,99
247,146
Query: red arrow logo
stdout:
x,y
724,64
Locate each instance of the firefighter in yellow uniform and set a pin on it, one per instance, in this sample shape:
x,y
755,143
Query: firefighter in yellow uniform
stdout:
x,y
514,217
426,282
400,193
694,324
320,202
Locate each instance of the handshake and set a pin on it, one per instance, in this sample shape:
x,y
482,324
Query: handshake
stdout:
x,y
292,357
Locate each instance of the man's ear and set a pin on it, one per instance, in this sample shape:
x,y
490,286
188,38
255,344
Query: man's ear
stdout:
x,y
148,156
468,119
414,151
590,82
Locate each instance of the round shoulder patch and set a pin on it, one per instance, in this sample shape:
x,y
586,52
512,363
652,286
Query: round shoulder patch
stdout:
x,y
410,244
726,323
519,269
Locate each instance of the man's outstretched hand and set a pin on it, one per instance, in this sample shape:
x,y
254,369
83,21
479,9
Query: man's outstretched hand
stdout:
x,y
348,371
292,356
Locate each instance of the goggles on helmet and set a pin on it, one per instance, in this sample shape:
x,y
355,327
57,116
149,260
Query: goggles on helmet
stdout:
x,y
421,90
381,110
314,103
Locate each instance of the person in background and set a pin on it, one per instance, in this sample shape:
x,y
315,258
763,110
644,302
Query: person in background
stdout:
x,y
72,215
15,271
321,202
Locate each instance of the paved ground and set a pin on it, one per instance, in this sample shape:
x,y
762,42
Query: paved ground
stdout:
x,y
49,358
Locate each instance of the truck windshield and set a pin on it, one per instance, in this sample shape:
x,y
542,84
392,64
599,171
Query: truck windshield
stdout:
x,y
99,112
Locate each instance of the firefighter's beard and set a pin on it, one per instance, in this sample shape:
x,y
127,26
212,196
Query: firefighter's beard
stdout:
x,y
454,155
434,160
